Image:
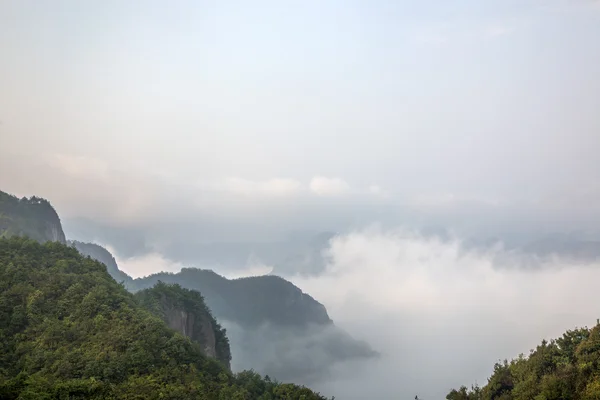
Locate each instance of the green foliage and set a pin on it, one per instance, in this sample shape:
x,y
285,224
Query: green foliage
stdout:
x,y
567,368
33,217
69,331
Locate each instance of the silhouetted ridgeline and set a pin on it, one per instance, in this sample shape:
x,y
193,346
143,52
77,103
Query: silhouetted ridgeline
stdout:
x,y
99,253
248,301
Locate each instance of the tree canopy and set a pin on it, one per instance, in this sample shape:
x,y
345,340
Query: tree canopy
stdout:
x,y
69,331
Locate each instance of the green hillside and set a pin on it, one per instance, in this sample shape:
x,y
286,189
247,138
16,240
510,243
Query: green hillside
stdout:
x,y
567,368
69,331
185,311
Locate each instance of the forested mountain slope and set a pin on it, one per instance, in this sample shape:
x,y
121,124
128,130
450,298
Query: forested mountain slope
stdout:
x,y
272,325
99,253
185,311
68,330
567,368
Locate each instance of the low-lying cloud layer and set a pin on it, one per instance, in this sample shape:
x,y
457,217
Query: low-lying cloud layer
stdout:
x,y
441,315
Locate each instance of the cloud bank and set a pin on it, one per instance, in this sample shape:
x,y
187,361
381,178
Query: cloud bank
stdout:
x,y
441,315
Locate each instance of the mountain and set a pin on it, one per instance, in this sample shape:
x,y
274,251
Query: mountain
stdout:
x,y
68,330
248,301
33,217
289,254
567,368
185,311
272,325
99,253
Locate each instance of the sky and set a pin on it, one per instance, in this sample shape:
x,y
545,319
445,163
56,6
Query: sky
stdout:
x,y
293,108
154,128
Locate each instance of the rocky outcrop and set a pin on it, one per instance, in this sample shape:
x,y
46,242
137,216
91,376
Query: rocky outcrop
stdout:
x,y
185,311
33,217
271,324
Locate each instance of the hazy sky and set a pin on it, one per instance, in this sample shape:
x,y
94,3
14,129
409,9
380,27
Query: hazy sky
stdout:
x,y
237,105
196,120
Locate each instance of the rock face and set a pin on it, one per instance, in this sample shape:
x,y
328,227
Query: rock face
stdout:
x,y
273,327
33,217
185,311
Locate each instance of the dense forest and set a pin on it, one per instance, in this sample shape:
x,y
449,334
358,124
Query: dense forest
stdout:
x,y
567,368
70,331
99,253
185,311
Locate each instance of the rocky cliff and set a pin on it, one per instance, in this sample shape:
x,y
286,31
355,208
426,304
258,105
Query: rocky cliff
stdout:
x,y
186,312
273,327
33,217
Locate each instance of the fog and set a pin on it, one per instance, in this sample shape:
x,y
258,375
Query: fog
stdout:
x,y
309,356
439,311
441,315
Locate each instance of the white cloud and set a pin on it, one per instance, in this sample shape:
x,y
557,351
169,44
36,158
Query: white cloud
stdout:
x,y
272,187
441,200
377,191
145,265
80,166
323,186
442,315
252,269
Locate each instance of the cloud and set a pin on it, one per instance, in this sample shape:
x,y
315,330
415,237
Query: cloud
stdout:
x,y
446,200
273,187
322,186
440,314
79,166
378,191
253,268
147,264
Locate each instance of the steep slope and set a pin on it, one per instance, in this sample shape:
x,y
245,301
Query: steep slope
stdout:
x,y
567,368
185,311
33,217
272,325
68,330
99,253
